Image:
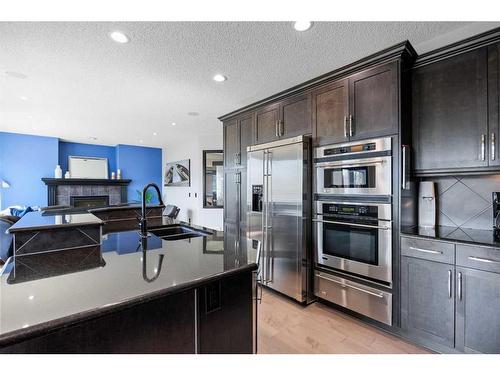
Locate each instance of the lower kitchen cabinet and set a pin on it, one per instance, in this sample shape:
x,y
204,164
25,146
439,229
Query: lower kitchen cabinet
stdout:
x,y
226,316
478,311
427,300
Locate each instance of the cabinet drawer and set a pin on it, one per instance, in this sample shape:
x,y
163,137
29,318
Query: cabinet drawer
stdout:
x,y
365,300
479,257
437,251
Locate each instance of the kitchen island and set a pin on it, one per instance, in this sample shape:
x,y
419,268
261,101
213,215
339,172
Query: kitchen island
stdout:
x,y
139,296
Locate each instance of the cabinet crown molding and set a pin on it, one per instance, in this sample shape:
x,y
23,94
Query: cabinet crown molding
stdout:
x,y
403,51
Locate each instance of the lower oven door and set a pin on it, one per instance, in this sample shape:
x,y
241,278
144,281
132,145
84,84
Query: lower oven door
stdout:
x,y
359,248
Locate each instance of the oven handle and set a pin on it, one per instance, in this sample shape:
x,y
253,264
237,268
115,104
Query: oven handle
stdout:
x,y
351,224
330,164
351,286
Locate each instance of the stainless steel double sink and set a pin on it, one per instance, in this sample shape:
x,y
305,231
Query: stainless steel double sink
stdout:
x,y
176,232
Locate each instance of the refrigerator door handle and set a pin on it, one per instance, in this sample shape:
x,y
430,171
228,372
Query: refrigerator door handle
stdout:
x,y
269,214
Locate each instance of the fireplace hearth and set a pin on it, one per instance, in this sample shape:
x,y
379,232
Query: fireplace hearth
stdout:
x,y
89,201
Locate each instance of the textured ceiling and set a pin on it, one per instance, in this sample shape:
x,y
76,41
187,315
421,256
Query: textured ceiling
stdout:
x,y
80,84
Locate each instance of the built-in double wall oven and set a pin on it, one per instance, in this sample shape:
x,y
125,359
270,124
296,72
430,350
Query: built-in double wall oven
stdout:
x,y
352,224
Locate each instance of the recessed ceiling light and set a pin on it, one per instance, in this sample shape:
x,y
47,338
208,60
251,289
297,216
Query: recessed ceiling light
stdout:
x,y
32,297
302,25
219,78
119,37
173,124
13,74
30,116
193,114
23,98
155,133
140,141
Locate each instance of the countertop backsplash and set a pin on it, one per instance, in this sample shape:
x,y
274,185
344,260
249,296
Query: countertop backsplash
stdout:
x,y
465,201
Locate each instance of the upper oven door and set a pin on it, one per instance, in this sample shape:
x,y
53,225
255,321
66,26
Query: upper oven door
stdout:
x,y
371,176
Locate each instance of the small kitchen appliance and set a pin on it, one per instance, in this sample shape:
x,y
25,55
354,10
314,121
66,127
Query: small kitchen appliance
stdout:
x,y
427,204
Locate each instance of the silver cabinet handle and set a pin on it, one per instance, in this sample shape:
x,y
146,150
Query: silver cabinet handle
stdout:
x,y
449,284
425,250
459,286
350,126
378,295
276,128
404,163
281,128
484,260
483,150
345,127
351,224
493,141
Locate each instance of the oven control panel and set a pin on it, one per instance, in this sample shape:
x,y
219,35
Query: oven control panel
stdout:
x,y
348,149
350,210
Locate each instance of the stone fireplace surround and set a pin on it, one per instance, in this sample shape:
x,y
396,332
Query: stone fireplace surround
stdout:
x,y
60,190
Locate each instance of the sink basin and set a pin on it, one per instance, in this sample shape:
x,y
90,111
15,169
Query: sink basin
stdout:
x,y
177,232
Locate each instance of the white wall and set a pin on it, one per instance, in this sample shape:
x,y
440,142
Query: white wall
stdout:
x,y
192,207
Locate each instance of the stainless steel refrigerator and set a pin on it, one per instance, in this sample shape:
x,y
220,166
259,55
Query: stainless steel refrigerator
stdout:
x,y
279,214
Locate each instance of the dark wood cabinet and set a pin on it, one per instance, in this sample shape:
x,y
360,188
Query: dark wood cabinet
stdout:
x,y
427,300
330,105
246,133
494,103
374,102
295,116
266,124
450,119
232,187
225,316
478,306
364,105
231,143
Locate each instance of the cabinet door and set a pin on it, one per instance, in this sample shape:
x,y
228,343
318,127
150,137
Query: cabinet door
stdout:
x,y
478,311
330,108
266,124
494,103
374,98
450,112
427,300
246,131
295,116
232,196
231,233
231,143
225,315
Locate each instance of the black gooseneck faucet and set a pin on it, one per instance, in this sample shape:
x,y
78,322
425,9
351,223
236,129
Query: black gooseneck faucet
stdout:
x,y
143,222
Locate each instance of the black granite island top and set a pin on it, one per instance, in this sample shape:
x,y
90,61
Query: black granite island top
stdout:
x,y
37,220
132,273
464,235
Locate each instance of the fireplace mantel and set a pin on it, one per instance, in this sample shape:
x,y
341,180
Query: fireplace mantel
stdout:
x,y
60,190
84,181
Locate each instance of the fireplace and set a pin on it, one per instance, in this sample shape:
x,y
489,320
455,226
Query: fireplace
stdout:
x,y
91,192
89,201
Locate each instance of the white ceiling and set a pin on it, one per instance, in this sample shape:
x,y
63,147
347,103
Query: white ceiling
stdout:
x,y
80,84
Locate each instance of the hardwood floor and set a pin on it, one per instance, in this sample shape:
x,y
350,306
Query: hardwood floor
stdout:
x,y
285,327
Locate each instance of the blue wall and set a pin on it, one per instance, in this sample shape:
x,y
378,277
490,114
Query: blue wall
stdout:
x,y
24,160
81,149
142,165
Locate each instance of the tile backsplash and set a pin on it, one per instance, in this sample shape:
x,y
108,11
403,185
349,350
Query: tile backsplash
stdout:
x,y
465,201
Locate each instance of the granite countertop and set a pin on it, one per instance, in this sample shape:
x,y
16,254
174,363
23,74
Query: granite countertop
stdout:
x,y
38,221
125,206
130,273
465,235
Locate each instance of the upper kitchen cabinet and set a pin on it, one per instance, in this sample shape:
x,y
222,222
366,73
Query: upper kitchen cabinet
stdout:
x,y
288,118
450,113
266,124
374,102
362,106
330,105
237,137
494,103
295,116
